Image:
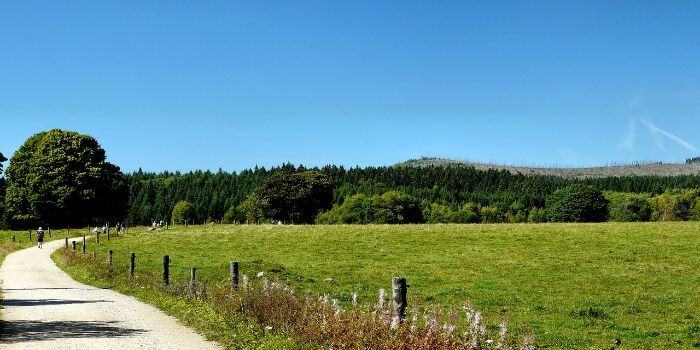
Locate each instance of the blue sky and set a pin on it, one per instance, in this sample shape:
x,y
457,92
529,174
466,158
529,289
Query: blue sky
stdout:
x,y
200,85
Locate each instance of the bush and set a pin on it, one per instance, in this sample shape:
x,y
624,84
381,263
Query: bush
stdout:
x,y
537,215
577,203
674,205
392,207
233,215
628,207
183,212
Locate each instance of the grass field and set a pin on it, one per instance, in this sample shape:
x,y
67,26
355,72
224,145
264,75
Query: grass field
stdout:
x,y
572,285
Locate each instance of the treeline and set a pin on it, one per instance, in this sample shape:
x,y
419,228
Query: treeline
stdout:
x,y
452,193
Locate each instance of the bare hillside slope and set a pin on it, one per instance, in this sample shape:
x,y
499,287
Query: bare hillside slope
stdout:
x,y
639,169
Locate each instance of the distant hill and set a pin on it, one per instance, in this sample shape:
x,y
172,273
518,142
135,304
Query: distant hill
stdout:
x,y
635,169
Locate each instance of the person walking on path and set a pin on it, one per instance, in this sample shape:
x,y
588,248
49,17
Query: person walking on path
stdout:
x,y
40,238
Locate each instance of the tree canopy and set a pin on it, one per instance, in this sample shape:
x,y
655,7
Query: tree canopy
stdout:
x,y
62,178
292,197
2,160
183,212
577,203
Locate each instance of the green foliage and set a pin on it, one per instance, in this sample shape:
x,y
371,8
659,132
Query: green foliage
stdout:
x,y
233,215
577,203
183,212
291,197
2,160
674,205
694,160
514,195
392,207
628,207
435,213
62,178
537,215
467,214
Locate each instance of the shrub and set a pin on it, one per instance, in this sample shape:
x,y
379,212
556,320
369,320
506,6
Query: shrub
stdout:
x,y
628,207
392,207
537,215
182,211
233,215
673,205
577,203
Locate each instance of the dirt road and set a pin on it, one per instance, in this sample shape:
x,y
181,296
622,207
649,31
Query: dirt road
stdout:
x,y
46,309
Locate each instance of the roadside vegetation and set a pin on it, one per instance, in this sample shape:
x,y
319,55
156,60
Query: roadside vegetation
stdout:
x,y
570,285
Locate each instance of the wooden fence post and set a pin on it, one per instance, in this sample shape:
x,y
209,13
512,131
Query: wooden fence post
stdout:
x,y
132,264
234,275
399,291
109,257
94,255
74,249
30,235
13,238
166,269
66,242
83,244
49,231
97,237
108,234
193,279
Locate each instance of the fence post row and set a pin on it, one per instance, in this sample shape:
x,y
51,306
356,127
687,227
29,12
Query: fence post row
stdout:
x,y
132,264
234,275
166,269
399,291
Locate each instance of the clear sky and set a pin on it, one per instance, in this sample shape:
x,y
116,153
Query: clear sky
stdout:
x,y
183,85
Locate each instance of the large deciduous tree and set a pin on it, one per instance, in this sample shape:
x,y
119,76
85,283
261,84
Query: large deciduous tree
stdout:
x,y
183,212
292,197
577,203
61,178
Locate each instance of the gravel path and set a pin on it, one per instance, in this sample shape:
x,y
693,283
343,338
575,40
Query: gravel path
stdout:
x,y
46,309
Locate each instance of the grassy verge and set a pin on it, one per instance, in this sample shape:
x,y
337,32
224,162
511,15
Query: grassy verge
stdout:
x,y
230,329
573,285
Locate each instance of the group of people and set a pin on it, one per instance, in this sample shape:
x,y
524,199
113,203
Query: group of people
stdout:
x,y
159,224
96,231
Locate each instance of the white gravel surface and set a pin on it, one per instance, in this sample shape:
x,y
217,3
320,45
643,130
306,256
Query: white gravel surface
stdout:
x,y
46,309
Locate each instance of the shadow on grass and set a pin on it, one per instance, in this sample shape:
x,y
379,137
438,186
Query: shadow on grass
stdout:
x,y
32,331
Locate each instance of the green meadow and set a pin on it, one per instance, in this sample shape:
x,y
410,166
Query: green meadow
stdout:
x,y
571,285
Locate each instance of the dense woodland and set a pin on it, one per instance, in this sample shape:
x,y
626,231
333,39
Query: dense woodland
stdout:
x,y
74,185
494,196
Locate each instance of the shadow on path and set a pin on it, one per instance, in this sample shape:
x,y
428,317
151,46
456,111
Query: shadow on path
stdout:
x,y
53,288
26,331
45,302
